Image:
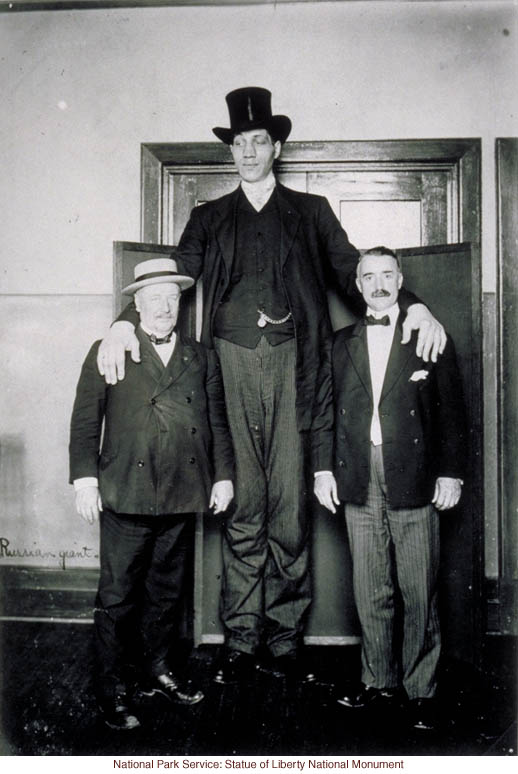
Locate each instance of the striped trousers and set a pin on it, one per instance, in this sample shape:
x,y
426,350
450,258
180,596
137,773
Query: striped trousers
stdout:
x,y
395,548
266,585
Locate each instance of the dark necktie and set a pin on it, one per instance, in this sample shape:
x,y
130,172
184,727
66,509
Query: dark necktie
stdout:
x,y
156,340
371,320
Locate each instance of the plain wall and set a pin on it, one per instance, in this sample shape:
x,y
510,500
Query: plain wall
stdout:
x,y
83,89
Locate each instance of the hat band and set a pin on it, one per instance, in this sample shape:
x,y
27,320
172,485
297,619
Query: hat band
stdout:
x,y
157,274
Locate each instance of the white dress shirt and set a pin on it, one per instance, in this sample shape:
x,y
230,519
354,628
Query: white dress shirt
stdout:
x,y
379,343
258,193
164,352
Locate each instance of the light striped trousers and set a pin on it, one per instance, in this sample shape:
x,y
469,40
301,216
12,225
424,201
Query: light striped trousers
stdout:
x,y
395,549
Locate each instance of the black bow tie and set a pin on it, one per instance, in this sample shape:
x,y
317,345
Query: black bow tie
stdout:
x,y
371,320
156,340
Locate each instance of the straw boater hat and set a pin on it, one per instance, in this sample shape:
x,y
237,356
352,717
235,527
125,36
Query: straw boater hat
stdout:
x,y
250,108
157,270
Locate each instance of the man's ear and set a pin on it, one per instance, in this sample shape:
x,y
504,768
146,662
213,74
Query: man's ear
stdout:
x,y
399,280
137,305
359,284
277,145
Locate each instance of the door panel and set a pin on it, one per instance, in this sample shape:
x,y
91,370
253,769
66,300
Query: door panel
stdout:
x,y
369,223
448,277
424,193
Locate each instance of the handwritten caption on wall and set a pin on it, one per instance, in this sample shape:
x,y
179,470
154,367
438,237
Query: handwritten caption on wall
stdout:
x,y
9,550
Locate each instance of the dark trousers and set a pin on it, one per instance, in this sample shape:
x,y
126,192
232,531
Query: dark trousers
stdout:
x,y
266,585
143,561
395,546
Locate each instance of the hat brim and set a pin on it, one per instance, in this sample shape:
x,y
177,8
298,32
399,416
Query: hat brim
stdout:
x,y
278,126
178,279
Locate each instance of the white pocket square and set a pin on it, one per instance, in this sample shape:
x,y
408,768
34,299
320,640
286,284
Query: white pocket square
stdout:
x,y
418,375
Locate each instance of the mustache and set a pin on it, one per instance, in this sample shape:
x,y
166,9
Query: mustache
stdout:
x,y
380,293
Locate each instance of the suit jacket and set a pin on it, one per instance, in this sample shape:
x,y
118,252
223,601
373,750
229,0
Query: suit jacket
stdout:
x,y
314,252
165,437
422,419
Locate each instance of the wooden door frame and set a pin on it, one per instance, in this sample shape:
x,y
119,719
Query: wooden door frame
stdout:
x,y
460,156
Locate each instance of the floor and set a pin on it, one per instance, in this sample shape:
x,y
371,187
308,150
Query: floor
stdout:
x,y
47,707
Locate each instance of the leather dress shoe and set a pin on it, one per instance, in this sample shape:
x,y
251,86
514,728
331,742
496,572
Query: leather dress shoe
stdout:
x,y
117,713
290,666
369,696
423,714
176,690
234,667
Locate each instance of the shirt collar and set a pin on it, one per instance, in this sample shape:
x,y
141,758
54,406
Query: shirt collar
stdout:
x,y
259,191
158,335
392,311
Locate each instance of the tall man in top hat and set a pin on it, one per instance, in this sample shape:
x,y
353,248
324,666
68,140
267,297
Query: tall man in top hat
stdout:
x,y
392,428
263,252
164,436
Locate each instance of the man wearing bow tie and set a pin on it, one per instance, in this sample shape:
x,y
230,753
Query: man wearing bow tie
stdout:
x,y
264,253
389,441
165,439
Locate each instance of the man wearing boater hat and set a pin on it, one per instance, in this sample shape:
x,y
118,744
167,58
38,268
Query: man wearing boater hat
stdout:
x,y
165,439
264,252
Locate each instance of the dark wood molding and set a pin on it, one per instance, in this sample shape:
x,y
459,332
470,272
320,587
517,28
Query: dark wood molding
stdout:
x,y
14,6
506,149
47,594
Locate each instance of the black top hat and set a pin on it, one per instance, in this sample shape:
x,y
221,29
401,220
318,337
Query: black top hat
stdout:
x,y
250,108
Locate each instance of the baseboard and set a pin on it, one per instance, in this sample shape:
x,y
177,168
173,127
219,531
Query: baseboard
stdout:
x,y
38,593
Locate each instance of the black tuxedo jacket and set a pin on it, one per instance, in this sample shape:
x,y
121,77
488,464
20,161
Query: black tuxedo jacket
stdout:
x,y
421,414
165,438
314,253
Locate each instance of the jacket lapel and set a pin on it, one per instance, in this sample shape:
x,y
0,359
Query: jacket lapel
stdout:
x,y
164,376
225,228
290,219
182,356
359,354
398,358
151,362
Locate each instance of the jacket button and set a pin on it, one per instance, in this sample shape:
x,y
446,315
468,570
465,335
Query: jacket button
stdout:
x,y
193,431
192,461
152,401
140,463
341,464
342,411
412,412
188,399
416,440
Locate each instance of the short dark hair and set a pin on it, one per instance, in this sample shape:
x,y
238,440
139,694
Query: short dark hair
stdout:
x,y
379,251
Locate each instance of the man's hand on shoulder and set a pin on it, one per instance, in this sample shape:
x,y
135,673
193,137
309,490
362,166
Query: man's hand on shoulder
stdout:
x,y
88,503
326,491
432,336
111,356
447,493
221,496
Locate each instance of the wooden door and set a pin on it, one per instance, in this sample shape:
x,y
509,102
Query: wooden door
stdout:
x,y
393,193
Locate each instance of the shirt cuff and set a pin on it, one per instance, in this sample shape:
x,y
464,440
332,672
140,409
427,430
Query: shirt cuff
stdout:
x,y
323,473
82,483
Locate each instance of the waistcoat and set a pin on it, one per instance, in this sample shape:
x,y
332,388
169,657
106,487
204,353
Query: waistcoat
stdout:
x,y
255,282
